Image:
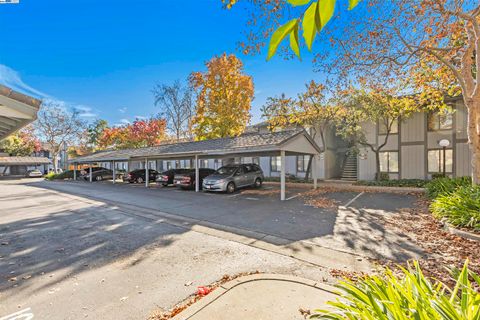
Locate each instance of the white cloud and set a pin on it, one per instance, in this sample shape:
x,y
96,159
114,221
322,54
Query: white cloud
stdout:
x,y
85,111
122,109
124,121
141,117
12,79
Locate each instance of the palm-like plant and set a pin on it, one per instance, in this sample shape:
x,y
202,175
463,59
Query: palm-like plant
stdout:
x,y
408,296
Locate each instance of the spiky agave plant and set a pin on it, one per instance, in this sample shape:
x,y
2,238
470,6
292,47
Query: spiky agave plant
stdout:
x,y
408,296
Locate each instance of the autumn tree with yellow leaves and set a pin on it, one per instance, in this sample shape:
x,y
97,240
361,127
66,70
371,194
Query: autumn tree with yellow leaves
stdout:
x,y
224,94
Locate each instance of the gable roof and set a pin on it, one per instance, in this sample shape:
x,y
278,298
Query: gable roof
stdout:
x,y
245,143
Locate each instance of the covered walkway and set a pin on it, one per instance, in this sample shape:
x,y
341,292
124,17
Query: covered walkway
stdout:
x,y
281,143
16,111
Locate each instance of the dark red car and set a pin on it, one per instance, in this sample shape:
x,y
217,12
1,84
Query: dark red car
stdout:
x,y
186,180
139,176
166,177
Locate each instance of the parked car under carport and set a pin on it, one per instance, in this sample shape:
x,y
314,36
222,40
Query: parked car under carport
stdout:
x,y
139,175
230,178
187,180
98,174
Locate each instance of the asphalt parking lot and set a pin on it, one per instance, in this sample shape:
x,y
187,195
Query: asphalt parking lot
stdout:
x,y
355,228
64,255
72,250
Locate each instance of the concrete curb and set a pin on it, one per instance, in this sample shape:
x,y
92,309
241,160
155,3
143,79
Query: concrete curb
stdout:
x,y
221,290
461,233
342,186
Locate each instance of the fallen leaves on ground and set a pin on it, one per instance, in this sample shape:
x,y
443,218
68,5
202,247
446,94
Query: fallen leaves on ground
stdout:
x,y
201,292
443,249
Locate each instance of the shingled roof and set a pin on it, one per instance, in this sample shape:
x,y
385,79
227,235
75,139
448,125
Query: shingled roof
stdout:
x,y
248,142
23,161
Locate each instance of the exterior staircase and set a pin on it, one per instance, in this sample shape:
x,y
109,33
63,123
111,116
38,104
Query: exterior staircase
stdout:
x,y
349,171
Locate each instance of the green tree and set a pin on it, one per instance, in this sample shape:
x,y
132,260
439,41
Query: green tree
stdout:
x,y
94,133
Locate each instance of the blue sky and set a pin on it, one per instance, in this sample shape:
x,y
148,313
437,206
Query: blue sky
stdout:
x,y
104,57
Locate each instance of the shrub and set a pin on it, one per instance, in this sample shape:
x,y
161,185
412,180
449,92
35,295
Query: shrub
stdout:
x,y
50,176
408,296
383,176
415,183
461,207
443,185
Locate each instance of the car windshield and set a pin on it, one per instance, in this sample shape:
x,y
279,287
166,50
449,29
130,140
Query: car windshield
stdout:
x,y
227,170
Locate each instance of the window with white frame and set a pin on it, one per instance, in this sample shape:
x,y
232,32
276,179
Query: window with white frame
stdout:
x,y
435,161
302,163
275,164
389,161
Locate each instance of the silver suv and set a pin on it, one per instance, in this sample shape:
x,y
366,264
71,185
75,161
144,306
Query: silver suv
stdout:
x,y
229,178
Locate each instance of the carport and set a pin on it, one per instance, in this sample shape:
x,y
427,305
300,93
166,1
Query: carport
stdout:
x,y
22,162
16,111
280,143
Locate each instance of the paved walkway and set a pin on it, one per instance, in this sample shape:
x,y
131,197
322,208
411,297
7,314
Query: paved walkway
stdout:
x,y
260,297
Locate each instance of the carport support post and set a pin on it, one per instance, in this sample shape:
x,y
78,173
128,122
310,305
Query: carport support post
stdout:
x,y
114,173
197,175
90,173
314,171
74,171
282,175
146,172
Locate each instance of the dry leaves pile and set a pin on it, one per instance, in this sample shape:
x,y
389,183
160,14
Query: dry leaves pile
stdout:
x,y
166,315
443,249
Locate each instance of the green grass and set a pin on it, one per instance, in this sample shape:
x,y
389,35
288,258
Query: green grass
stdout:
x,y
461,207
412,183
407,296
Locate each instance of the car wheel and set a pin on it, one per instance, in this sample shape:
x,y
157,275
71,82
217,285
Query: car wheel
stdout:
x,y
258,183
230,187
140,180
99,178
165,184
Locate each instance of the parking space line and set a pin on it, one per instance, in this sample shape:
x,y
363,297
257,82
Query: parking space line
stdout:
x,y
354,198
22,314
293,197
234,195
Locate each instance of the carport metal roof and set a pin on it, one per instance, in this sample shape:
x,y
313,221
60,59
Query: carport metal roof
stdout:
x,y
16,110
291,141
23,161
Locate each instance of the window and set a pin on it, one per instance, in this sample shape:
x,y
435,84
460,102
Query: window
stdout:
x,y
439,121
302,163
275,164
389,162
204,163
184,164
382,127
435,160
217,163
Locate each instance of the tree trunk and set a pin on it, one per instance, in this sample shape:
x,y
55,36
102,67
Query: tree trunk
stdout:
x,y
377,165
473,106
55,164
309,168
